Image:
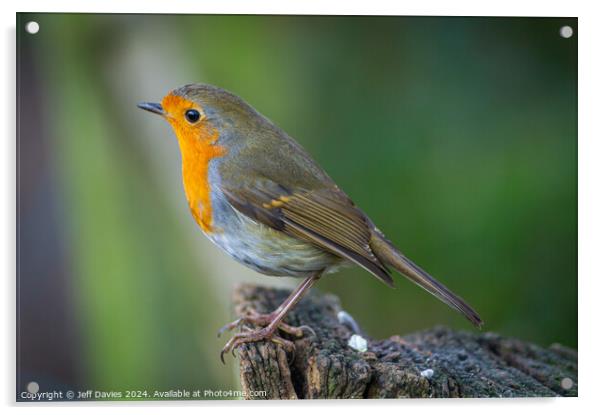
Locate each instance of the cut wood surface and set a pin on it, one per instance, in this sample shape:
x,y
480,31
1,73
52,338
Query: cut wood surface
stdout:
x,y
438,362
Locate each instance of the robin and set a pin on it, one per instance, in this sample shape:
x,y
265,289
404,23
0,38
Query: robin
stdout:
x,y
259,196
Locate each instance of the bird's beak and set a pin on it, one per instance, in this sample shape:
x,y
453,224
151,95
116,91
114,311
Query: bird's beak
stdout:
x,y
152,107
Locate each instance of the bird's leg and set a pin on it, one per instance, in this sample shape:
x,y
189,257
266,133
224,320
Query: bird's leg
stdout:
x,y
273,321
262,320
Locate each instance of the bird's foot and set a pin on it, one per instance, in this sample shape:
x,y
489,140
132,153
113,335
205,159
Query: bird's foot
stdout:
x,y
251,336
263,320
265,332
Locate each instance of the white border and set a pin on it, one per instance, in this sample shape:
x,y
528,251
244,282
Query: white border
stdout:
x,y
590,203
349,7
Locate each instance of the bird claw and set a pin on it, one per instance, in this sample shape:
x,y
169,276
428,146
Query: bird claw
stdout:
x,y
251,336
230,326
307,328
262,320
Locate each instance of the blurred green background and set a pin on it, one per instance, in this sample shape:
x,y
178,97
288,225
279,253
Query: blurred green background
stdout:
x,y
458,136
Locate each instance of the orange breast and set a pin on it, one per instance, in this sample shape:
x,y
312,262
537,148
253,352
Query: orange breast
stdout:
x,y
198,147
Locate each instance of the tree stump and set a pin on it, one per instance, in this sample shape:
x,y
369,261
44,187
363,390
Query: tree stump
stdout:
x,y
433,363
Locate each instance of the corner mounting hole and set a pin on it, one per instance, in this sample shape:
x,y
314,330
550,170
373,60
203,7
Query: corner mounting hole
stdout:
x,y
566,383
33,387
566,31
32,28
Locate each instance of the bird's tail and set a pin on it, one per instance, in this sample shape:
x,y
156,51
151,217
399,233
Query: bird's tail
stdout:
x,y
387,253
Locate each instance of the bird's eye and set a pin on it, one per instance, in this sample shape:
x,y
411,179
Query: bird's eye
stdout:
x,y
192,116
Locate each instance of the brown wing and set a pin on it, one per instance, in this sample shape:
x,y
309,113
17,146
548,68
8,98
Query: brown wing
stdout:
x,y
325,217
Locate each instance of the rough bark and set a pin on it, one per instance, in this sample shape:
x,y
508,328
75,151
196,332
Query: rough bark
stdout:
x,y
434,363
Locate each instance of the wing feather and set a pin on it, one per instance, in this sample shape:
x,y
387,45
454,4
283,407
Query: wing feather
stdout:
x,y
325,217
